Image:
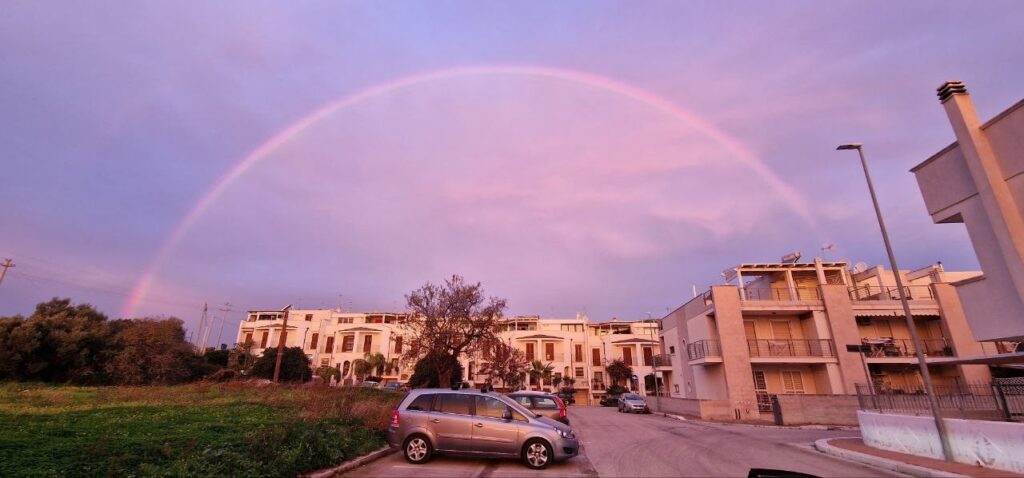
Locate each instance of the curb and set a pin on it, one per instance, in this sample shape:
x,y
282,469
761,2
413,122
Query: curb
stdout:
x,y
823,446
352,464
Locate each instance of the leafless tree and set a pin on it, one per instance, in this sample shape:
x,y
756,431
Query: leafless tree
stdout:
x,y
450,320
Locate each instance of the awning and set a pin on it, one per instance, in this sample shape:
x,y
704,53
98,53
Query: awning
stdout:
x,y
635,341
1000,359
539,336
360,329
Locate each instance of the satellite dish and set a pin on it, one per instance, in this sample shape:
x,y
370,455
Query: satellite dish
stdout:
x,y
860,267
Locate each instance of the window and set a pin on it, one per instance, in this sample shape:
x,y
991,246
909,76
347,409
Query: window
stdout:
x,y
329,348
577,353
313,340
627,356
345,368
675,387
252,317
374,319
595,354
263,340
398,344
544,402
529,351
524,401
489,407
248,338
579,371
346,320
549,351
324,362
792,382
457,403
367,343
309,317
421,403
672,349
572,327
348,343
648,356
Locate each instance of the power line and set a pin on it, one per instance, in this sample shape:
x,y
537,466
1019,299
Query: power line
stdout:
x,y
124,293
6,265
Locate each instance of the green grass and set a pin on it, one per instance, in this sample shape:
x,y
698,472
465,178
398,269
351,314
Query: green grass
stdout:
x,y
190,430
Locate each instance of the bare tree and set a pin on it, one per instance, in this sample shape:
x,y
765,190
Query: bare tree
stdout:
x,y
450,320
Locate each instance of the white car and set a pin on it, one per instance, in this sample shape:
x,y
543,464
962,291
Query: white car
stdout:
x,y
370,384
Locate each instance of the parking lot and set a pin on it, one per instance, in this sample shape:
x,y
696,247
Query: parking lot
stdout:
x,y
616,444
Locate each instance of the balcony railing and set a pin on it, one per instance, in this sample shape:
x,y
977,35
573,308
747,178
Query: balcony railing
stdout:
x,y
874,292
780,293
886,347
663,360
703,348
597,385
791,348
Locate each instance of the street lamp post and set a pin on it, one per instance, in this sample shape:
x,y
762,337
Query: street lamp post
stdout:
x,y
926,377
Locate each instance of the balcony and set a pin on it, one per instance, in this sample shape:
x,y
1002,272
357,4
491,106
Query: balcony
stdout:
x,y
874,292
898,348
790,348
701,349
779,294
662,360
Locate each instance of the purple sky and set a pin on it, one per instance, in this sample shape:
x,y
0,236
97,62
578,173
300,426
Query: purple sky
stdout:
x,y
563,197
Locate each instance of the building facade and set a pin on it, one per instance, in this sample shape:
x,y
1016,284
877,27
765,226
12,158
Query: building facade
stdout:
x,y
978,181
577,348
785,328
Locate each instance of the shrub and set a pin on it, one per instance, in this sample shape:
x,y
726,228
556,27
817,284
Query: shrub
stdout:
x,y
294,365
426,374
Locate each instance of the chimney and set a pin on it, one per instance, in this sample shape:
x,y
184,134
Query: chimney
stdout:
x,y
950,88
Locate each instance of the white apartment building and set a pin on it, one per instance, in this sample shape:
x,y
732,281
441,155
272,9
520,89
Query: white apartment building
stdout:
x,y
577,348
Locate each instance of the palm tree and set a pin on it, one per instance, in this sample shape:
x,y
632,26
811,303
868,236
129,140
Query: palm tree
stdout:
x,y
361,368
540,371
568,382
377,363
556,381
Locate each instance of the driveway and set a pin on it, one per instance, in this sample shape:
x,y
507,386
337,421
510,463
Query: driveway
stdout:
x,y
620,445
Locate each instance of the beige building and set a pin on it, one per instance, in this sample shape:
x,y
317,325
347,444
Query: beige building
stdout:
x,y
576,348
978,181
784,328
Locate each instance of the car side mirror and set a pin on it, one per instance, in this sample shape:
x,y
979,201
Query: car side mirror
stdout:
x,y
507,416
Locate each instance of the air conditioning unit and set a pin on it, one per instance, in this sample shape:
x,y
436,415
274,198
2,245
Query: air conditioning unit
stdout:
x,y
863,320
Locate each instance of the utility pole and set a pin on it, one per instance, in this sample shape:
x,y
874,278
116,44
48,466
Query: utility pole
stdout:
x,y
224,318
280,343
6,265
202,322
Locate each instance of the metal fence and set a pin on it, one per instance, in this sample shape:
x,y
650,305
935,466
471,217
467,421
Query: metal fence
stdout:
x,y
703,348
981,401
779,293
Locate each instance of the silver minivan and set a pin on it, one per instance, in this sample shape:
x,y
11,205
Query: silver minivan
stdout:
x,y
474,423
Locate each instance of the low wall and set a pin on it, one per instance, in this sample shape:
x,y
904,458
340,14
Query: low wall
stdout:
x,y
998,445
703,409
818,409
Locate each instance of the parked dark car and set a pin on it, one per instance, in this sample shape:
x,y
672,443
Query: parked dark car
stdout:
x,y
544,404
477,424
610,399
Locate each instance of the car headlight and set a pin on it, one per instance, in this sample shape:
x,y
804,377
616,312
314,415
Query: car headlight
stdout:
x,y
565,434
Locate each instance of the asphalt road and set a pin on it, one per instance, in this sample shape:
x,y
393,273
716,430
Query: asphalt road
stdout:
x,y
621,445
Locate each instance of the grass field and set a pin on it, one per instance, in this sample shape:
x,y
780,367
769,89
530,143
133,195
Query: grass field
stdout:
x,y
190,430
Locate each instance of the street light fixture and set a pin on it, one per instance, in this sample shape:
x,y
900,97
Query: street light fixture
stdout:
x,y
926,377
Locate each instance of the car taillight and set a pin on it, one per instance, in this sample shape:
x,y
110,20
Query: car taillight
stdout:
x,y
394,418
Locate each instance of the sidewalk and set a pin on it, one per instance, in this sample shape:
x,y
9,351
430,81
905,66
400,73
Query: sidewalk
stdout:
x,y
854,449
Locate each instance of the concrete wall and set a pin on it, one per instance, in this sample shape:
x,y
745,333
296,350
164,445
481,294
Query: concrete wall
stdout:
x,y
818,409
998,445
703,409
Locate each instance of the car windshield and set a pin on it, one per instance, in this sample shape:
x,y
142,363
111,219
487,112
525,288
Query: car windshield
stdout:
x,y
632,397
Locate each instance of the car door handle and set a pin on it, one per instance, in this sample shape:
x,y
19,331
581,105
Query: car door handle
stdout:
x,y
435,420
479,425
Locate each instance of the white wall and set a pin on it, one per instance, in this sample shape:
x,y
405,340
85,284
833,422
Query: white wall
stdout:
x,y
998,445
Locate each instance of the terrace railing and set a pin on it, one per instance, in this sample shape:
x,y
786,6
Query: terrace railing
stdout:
x,y
703,348
887,347
780,294
791,348
874,292
663,360
981,401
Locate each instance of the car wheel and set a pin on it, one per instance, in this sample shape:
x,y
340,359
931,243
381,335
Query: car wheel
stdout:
x,y
417,449
537,454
